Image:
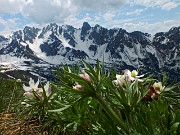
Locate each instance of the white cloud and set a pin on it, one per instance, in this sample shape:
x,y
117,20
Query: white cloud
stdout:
x,y
12,6
163,4
108,16
43,11
169,5
152,28
97,18
8,24
71,20
76,22
105,13
135,12
2,21
98,4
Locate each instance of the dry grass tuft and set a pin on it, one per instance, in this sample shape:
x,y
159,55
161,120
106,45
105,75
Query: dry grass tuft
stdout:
x,y
8,126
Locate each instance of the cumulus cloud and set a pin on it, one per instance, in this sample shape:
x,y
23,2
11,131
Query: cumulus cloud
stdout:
x,y
12,6
59,10
107,13
163,4
43,11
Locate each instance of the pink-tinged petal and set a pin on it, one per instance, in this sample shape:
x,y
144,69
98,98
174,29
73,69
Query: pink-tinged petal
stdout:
x,y
39,90
26,88
46,87
119,76
127,72
39,95
85,76
127,75
49,91
36,85
31,83
78,87
29,95
116,82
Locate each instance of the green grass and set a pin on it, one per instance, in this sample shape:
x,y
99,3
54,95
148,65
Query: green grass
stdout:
x,y
10,93
100,108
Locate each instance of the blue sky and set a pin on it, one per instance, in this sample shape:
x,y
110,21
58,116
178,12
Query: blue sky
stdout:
x,y
143,15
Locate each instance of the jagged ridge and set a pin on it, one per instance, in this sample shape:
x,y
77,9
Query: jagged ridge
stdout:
x,y
55,44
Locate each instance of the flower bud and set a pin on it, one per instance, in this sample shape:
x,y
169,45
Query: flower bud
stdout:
x,y
85,76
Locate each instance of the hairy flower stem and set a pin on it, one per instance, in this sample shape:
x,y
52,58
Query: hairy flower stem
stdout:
x,y
111,113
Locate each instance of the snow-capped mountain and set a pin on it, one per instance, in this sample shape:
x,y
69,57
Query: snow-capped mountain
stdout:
x,y
53,45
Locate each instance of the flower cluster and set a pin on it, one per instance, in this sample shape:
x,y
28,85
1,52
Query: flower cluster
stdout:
x,y
130,76
154,91
127,77
33,91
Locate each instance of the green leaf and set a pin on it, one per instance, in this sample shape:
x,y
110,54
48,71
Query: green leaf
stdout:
x,y
98,71
174,127
90,68
169,88
61,109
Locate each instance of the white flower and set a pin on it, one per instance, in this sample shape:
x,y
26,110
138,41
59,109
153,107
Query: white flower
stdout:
x,y
134,73
158,87
127,77
119,80
131,76
32,86
29,95
33,89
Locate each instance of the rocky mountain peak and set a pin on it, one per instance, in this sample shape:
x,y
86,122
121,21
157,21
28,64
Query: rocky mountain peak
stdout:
x,y
56,44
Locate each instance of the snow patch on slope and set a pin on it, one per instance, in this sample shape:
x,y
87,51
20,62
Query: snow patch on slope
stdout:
x,y
83,45
64,41
36,45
